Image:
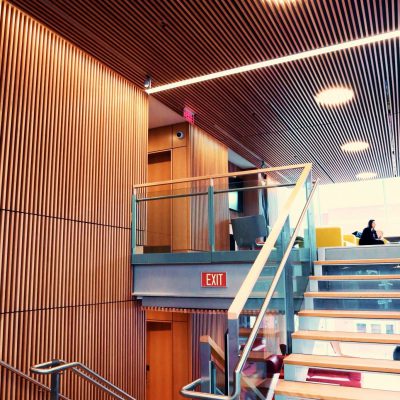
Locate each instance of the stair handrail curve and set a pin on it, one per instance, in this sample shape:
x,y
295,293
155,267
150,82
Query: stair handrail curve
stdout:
x,y
188,390
57,366
28,378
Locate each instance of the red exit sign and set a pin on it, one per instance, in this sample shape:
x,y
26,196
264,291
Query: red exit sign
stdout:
x,y
188,114
213,279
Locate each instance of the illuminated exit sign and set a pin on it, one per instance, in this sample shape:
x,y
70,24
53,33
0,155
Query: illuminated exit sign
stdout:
x,y
213,279
188,114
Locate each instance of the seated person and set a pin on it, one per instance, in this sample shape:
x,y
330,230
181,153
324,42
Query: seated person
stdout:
x,y
370,236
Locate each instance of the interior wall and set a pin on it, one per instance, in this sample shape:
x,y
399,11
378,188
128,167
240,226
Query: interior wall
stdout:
x,y
208,156
206,324
172,232
73,142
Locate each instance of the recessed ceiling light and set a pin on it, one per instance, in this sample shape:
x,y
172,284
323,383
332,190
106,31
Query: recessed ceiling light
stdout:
x,y
353,147
334,96
351,44
366,175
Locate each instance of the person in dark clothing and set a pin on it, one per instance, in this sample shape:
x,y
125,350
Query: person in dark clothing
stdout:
x,y
369,235
396,354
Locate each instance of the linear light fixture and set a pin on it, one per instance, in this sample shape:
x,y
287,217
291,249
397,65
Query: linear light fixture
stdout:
x,y
353,147
281,60
334,96
366,175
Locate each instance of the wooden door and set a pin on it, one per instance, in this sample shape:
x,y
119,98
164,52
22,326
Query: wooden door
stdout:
x,y
159,378
168,355
159,211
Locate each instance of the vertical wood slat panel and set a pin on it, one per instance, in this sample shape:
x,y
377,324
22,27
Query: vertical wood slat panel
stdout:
x,y
74,120
47,263
78,334
213,325
73,141
208,156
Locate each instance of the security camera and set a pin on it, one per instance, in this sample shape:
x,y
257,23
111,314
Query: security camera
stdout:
x,y
147,82
180,135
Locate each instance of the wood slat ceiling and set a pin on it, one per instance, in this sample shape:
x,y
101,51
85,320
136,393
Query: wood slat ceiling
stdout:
x,y
265,114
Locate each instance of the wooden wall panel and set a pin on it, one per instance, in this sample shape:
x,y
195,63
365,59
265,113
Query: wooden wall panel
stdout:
x,y
73,141
106,337
180,206
211,324
208,156
48,262
70,145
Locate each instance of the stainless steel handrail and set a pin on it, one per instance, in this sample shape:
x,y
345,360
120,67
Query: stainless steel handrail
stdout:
x,y
188,390
48,368
28,378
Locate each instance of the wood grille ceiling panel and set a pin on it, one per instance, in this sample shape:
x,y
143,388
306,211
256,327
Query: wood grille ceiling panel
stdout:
x,y
271,112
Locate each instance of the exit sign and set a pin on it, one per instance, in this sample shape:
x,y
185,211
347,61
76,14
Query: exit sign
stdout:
x,y
188,114
213,279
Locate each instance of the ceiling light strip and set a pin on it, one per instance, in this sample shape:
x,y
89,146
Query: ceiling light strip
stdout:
x,y
281,60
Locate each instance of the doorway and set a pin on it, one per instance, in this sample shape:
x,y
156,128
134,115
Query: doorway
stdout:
x,y
167,355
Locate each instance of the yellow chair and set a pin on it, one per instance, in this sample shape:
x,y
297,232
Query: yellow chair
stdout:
x,y
351,239
331,236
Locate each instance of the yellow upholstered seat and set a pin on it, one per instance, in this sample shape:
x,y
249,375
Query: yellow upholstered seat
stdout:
x,y
329,236
332,236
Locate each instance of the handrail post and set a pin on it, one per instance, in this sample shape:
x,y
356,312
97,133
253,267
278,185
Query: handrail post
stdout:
x,y
133,223
311,224
288,288
211,219
232,349
205,359
55,382
213,378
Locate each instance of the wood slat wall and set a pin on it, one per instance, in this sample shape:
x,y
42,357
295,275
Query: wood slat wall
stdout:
x,y
212,324
208,156
73,141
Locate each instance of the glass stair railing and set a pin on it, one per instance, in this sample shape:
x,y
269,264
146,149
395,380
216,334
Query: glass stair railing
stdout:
x,y
261,318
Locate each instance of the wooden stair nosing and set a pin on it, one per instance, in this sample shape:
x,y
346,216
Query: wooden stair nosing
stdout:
x,y
366,261
354,277
356,314
319,391
353,295
345,363
261,332
381,338
258,355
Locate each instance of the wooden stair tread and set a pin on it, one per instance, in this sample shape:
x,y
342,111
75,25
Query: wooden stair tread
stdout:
x,y
352,295
258,355
347,363
350,314
383,338
248,382
329,392
261,332
354,277
359,261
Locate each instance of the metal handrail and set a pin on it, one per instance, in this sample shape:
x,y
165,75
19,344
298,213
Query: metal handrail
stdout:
x,y
57,366
242,189
248,283
28,378
220,175
188,390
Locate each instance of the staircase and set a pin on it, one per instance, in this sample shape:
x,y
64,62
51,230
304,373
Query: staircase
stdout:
x,y
344,346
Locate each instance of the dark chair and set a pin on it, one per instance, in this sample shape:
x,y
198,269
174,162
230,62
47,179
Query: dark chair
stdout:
x,y
246,231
